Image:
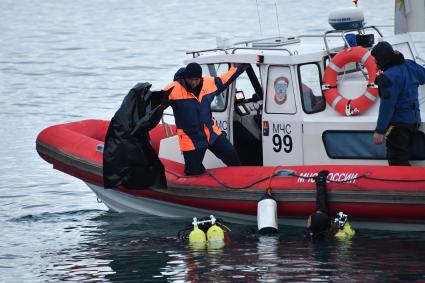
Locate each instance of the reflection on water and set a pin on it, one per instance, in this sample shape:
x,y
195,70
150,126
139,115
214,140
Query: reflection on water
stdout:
x,y
133,248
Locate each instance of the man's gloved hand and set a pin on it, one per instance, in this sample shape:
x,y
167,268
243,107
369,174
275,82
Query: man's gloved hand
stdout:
x,y
164,101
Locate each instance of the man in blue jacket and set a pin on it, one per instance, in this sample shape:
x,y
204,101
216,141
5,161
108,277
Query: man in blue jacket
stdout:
x,y
399,117
191,97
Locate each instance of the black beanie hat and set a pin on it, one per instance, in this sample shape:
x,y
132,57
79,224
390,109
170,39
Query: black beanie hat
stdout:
x,y
383,53
319,222
193,70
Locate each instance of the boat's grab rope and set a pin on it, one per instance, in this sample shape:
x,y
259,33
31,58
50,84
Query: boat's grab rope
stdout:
x,y
394,180
221,182
276,173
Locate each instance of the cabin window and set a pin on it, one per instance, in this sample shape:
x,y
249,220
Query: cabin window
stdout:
x,y
360,145
248,84
219,103
309,76
280,91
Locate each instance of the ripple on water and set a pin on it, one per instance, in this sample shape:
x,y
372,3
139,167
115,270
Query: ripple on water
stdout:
x,y
55,216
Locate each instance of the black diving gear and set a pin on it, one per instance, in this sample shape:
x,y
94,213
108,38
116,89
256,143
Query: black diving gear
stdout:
x,y
319,220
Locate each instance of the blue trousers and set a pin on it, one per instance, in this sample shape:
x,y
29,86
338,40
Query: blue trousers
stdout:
x,y
221,148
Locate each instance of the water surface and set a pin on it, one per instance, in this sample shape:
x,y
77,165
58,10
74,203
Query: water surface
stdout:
x,y
63,61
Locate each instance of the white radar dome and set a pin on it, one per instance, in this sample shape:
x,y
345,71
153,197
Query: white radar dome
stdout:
x,y
346,18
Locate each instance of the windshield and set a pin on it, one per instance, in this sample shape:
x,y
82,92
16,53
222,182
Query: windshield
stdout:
x,y
213,70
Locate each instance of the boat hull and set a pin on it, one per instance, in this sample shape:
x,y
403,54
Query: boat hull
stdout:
x,y
376,197
120,202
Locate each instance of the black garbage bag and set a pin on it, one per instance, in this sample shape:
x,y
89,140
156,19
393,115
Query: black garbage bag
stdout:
x,y
128,157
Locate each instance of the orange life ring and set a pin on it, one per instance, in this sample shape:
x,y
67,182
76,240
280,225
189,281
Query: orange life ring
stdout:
x,y
334,98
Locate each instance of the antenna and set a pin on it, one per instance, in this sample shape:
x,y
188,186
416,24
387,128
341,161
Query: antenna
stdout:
x,y
277,17
259,19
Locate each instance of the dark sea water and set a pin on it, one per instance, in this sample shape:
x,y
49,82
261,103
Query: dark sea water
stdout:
x,y
66,60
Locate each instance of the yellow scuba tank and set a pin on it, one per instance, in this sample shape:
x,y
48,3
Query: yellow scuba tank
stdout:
x,y
215,233
197,235
215,236
346,233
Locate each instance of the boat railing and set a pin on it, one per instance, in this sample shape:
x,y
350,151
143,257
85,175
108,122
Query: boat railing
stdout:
x,y
266,44
343,33
269,43
197,53
275,41
232,50
262,48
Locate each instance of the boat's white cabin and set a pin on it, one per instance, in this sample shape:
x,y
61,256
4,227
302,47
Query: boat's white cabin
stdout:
x,y
275,112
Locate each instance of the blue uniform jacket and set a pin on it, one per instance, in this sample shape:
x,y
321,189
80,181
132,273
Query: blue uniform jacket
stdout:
x,y
195,125
398,87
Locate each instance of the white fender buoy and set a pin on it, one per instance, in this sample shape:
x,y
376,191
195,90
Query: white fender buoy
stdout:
x,y
267,215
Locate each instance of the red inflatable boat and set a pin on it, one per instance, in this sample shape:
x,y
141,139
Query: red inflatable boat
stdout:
x,y
377,197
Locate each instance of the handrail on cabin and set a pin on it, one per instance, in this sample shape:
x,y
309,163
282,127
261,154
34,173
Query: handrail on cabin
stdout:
x,y
262,48
197,53
278,41
342,34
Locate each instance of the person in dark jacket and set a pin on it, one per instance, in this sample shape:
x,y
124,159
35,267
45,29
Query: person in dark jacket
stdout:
x,y
319,224
399,117
191,99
